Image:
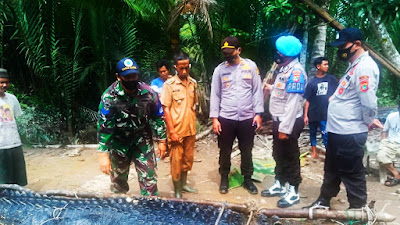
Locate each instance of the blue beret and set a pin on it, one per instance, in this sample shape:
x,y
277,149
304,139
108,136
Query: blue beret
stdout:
x,y
288,45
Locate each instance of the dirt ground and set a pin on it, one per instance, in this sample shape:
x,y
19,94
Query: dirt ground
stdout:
x,y
78,170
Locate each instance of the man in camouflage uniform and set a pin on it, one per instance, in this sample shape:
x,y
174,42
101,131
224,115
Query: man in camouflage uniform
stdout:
x,y
127,115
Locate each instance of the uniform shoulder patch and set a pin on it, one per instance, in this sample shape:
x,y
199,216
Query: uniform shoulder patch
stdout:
x,y
296,82
364,86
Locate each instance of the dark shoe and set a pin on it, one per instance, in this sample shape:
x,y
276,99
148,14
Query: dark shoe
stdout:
x,y
224,186
185,186
275,190
178,188
319,203
249,186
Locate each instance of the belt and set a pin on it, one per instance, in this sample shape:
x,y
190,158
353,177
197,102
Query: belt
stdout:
x,y
276,118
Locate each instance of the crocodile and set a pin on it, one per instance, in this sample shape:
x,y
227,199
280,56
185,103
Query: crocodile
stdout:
x,y
23,206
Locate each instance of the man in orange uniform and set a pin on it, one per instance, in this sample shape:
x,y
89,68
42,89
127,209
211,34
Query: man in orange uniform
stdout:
x,y
179,99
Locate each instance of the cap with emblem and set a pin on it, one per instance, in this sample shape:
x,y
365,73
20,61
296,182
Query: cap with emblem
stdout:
x,y
3,73
127,66
348,35
229,44
288,45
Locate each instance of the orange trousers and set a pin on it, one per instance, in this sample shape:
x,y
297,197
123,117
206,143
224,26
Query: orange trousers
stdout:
x,y
181,156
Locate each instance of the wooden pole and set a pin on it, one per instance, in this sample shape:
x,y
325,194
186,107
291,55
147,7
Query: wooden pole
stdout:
x,y
338,26
350,215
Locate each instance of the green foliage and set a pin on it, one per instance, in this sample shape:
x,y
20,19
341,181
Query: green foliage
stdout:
x,y
40,126
62,54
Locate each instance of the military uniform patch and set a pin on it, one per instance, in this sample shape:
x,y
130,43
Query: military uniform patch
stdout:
x,y
364,86
247,76
364,77
340,91
245,67
343,83
296,75
296,82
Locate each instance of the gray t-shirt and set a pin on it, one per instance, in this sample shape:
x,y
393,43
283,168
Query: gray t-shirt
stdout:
x,y
392,127
9,110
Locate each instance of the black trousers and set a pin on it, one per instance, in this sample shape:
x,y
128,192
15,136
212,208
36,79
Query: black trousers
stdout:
x,y
286,154
343,163
244,131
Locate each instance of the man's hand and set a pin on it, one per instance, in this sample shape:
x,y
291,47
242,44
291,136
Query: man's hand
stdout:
x,y
257,120
305,120
283,136
217,126
267,86
105,163
162,148
375,124
175,137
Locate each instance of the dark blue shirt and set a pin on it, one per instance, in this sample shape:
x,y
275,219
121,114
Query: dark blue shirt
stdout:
x,y
318,91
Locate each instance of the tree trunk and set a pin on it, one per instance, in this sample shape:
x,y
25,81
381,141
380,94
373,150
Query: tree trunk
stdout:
x,y
318,49
386,43
303,54
338,26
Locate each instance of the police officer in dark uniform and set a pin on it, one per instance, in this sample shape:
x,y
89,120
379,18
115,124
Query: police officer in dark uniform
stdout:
x,y
351,111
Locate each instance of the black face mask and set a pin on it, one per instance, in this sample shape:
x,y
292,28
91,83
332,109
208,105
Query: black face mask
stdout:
x,y
130,85
278,58
345,54
230,58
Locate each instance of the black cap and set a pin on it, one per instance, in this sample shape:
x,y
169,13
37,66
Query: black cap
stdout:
x,y
229,44
3,73
348,35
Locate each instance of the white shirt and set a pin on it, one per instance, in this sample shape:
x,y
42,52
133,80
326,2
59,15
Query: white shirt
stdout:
x,y
392,127
9,110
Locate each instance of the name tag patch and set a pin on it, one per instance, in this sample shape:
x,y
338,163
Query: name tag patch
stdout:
x,y
247,76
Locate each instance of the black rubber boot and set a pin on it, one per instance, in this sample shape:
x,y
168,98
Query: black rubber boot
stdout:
x,y
178,188
224,186
249,186
185,186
